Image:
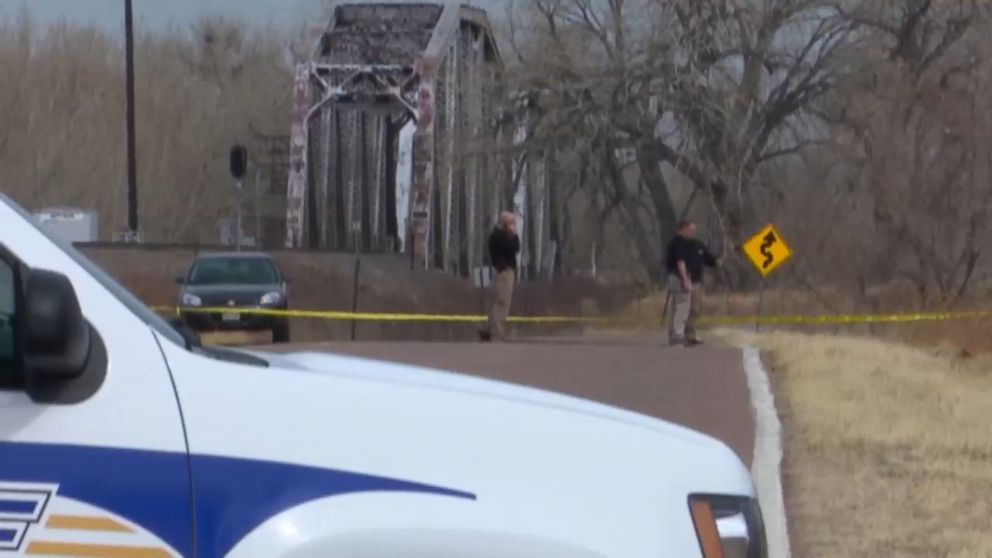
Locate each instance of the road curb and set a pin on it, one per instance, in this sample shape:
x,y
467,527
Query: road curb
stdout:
x,y
766,468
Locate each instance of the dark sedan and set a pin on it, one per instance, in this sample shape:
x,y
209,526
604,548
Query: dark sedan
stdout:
x,y
234,280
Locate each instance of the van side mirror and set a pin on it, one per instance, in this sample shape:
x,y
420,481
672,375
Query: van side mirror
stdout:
x,y
56,338
180,280
190,336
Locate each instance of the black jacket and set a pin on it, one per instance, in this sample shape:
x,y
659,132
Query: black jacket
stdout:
x,y
694,253
503,249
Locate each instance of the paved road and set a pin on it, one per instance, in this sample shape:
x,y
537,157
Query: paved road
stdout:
x,y
704,388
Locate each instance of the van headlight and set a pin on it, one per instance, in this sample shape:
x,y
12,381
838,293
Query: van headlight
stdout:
x,y
191,300
269,299
728,526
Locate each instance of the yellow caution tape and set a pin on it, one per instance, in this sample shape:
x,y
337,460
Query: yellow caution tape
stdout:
x,y
837,319
849,318
375,316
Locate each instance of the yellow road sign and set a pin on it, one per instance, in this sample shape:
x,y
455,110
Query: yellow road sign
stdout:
x,y
767,250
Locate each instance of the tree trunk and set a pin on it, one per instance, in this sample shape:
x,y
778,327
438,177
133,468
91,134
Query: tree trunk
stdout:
x,y
650,255
648,159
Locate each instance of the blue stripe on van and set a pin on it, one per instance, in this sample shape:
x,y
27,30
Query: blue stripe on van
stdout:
x,y
151,489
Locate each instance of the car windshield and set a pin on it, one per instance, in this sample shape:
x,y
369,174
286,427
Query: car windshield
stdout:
x,y
233,270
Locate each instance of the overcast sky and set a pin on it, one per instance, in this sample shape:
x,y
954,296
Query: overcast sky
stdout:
x,y
110,13
161,13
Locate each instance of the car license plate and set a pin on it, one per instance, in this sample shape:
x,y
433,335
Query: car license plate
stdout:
x,y
231,317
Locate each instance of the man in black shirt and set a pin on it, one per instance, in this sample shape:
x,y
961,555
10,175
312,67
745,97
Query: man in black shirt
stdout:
x,y
504,245
685,259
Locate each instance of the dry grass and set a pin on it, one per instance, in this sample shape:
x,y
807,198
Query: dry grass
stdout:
x,y
967,336
888,450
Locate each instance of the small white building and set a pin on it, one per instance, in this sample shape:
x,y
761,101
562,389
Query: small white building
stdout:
x,y
70,223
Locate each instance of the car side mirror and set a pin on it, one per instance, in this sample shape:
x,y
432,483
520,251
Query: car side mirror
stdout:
x,y
180,280
57,338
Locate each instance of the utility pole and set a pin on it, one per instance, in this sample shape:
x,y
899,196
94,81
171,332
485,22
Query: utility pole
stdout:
x,y
239,237
239,166
258,207
132,165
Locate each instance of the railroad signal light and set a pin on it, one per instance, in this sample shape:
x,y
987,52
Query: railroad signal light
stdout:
x,y
239,161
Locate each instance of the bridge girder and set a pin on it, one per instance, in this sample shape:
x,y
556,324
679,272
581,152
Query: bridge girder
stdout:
x,y
377,68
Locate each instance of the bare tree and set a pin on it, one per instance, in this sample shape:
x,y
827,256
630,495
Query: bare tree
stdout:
x,y
709,89
915,116
198,92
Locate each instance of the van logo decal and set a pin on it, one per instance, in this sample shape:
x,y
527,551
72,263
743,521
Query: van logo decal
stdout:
x,y
21,507
36,521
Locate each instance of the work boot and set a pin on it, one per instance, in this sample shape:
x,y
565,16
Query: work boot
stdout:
x,y
485,336
692,342
674,341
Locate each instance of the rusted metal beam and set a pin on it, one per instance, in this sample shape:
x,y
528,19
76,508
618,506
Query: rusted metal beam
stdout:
x,y
340,221
401,69
296,189
452,129
422,188
392,146
325,173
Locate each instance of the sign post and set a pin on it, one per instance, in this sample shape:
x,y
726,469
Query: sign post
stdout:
x,y
239,166
761,303
356,230
240,225
766,251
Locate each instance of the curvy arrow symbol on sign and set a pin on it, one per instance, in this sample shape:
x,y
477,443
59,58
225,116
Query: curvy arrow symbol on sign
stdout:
x,y
769,240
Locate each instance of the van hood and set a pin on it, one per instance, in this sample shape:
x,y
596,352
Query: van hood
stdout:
x,y
531,462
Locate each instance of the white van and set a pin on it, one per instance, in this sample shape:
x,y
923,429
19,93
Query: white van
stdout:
x,y
120,437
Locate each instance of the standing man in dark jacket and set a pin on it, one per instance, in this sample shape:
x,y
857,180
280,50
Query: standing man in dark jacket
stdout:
x,y
685,259
504,245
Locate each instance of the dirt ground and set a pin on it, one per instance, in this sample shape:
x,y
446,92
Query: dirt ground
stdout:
x,y
888,450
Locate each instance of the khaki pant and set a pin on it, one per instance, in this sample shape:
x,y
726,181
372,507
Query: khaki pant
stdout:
x,y
683,310
504,282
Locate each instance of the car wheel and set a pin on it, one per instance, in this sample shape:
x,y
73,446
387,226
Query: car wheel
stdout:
x,y
280,332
